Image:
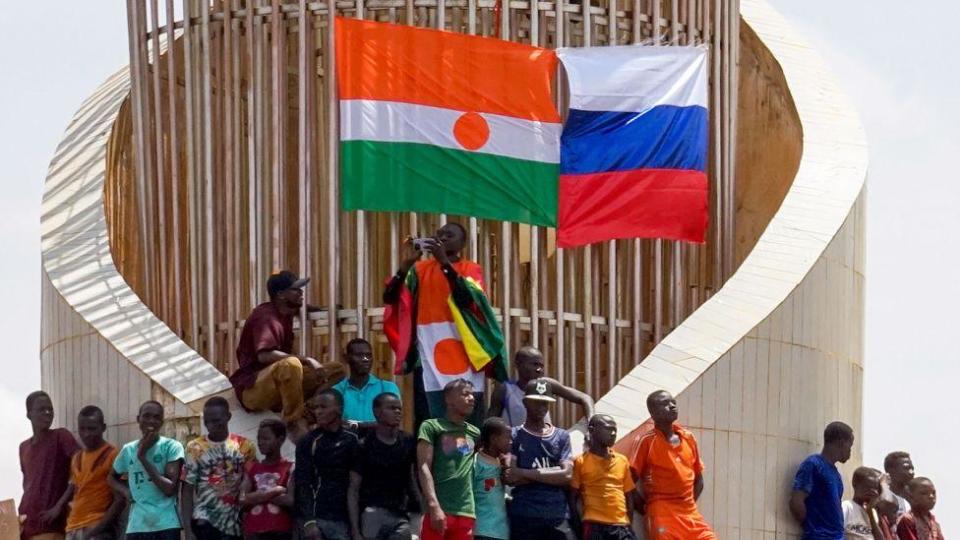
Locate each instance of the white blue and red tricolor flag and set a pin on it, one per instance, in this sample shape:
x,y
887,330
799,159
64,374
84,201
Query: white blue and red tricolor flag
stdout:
x,y
633,154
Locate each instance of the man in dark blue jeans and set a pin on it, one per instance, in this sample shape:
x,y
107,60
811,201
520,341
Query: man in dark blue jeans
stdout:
x,y
542,472
818,486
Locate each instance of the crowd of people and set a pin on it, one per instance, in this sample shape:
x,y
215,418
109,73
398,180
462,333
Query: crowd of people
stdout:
x,y
885,505
497,472
353,480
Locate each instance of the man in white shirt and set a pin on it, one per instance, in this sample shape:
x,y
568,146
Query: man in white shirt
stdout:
x,y
860,520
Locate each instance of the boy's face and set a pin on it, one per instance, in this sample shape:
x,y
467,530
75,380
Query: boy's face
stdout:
x,y
462,400
867,489
150,418
267,441
603,432
390,412
902,471
217,422
90,429
325,410
846,448
529,367
923,496
41,413
500,443
663,408
536,409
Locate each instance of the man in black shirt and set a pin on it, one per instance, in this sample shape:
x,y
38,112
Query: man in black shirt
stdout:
x,y
383,481
324,459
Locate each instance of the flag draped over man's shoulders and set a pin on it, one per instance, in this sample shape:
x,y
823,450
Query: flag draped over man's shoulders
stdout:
x,y
427,328
434,121
633,155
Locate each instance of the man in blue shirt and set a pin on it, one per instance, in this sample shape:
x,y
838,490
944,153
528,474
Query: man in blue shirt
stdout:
x,y
361,387
541,473
818,486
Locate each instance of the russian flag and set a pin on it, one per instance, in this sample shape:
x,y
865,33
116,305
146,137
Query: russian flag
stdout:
x,y
633,153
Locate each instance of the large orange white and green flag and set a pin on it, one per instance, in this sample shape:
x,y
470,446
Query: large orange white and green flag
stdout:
x,y
434,121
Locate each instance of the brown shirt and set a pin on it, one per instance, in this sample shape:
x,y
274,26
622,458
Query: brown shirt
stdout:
x,y
266,329
46,471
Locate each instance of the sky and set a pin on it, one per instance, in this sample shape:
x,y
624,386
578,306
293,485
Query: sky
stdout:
x,y
898,66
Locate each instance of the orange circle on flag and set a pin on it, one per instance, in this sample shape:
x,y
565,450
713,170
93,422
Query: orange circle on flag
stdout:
x,y
450,357
471,131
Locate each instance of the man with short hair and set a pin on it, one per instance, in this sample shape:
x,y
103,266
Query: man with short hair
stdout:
x,y
602,481
213,476
507,398
151,467
383,478
445,449
818,487
270,377
324,458
541,471
45,464
434,306
669,474
360,387
899,468
94,508
860,519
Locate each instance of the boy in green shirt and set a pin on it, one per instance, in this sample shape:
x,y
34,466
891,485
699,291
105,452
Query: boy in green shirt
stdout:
x,y
445,463
151,466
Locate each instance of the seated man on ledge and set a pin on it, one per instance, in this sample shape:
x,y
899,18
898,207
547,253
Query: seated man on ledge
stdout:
x,y
270,376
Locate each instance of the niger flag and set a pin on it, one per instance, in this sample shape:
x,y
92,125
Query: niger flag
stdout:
x,y
434,121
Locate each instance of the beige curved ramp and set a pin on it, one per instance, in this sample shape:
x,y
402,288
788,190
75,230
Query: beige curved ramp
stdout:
x,y
135,356
777,353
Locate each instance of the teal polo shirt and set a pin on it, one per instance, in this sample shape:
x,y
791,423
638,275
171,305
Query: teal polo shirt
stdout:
x,y
358,402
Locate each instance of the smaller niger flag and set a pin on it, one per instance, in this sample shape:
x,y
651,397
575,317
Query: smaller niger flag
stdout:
x,y
434,121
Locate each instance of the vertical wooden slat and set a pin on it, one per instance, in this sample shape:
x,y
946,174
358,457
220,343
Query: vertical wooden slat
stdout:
x,y
305,74
333,139
718,185
189,69
208,282
177,320
139,117
278,116
161,300
253,171
229,176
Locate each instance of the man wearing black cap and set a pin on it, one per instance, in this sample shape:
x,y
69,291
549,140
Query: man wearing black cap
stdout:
x,y
270,376
541,472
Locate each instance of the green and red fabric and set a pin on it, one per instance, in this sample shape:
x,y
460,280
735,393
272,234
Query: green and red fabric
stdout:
x,y
427,329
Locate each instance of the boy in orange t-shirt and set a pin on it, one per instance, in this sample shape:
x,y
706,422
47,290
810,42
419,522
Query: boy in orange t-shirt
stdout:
x,y
602,481
94,509
668,468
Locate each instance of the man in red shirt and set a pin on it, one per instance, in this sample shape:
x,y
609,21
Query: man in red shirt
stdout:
x,y
45,463
270,376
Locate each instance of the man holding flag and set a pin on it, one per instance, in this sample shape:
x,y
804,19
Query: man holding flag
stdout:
x,y
439,322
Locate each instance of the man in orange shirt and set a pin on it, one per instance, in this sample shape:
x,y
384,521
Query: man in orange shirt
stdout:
x,y
670,473
601,478
94,508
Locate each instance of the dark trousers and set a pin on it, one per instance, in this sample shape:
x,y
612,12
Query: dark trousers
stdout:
x,y
272,535
524,528
203,530
167,534
601,531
